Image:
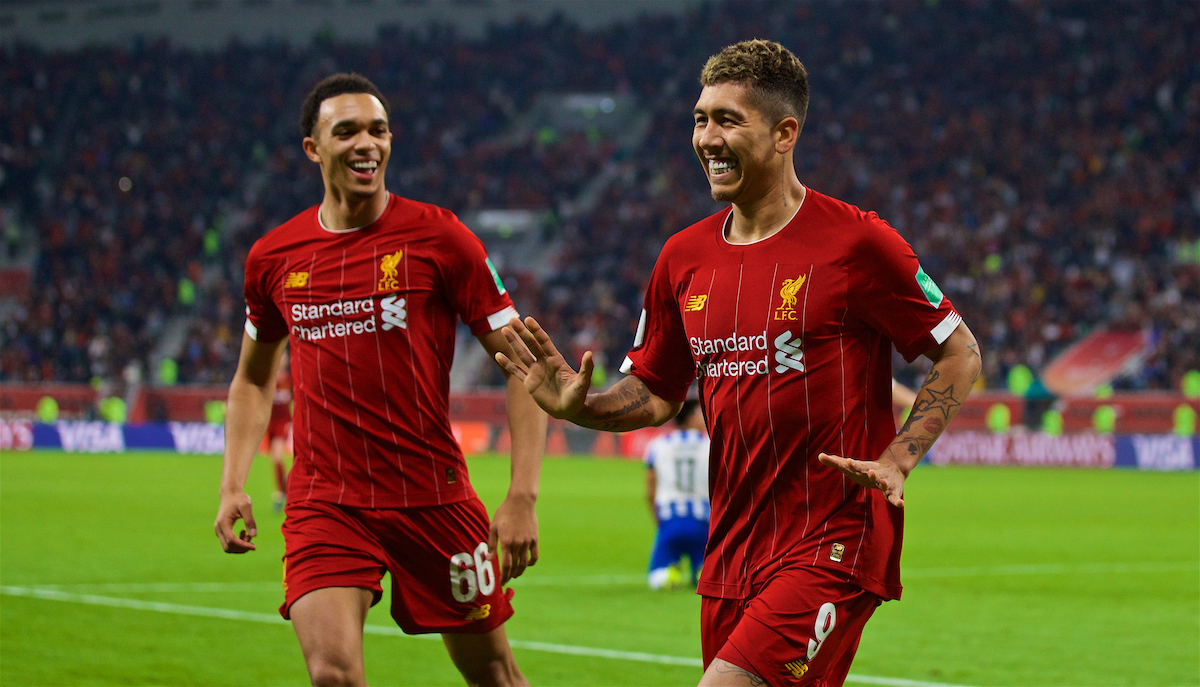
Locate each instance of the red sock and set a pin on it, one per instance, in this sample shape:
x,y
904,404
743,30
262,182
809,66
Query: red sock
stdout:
x,y
280,478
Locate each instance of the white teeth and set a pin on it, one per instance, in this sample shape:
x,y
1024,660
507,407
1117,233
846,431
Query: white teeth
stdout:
x,y
364,166
719,166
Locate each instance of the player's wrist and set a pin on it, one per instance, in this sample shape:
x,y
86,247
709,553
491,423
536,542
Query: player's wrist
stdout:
x,y
528,496
232,491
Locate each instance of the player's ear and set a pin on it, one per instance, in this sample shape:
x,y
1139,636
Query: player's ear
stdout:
x,y
787,131
310,149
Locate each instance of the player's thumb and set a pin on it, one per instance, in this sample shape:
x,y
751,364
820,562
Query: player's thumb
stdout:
x,y
586,366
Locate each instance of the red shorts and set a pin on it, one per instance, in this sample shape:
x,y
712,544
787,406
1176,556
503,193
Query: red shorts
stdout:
x,y
441,579
801,628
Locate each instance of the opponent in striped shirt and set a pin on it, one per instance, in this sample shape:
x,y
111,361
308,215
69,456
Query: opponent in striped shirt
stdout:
x,y
367,289
786,306
677,491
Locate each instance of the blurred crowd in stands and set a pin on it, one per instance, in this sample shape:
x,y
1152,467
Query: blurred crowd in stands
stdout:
x,y
1042,158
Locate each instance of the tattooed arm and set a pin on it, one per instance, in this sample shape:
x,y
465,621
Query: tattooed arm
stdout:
x,y
956,366
563,393
627,405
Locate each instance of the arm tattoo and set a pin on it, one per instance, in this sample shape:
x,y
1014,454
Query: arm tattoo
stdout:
x,y
634,398
727,668
912,419
943,401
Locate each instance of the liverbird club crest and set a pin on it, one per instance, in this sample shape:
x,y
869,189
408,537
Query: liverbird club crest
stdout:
x,y
787,292
390,265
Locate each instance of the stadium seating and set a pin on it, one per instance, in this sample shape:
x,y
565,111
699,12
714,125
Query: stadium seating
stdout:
x,y
1040,158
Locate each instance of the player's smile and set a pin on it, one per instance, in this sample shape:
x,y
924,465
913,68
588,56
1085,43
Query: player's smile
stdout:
x,y
363,169
721,169
731,139
353,143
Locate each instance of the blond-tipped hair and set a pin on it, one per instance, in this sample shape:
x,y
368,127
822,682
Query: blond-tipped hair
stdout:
x,y
775,78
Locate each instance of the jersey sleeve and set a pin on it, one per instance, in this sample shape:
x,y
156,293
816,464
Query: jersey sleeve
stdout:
x,y
661,357
264,322
473,287
894,294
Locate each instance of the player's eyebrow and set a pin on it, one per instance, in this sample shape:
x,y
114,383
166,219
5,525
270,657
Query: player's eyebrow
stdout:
x,y
722,111
354,122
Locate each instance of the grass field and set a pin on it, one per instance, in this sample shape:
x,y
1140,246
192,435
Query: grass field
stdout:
x,y
112,576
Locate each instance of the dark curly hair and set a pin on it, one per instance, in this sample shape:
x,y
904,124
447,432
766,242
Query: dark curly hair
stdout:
x,y
333,86
776,79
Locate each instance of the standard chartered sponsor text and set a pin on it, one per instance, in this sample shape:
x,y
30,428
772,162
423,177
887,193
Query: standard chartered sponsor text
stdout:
x,y
732,342
711,362
731,368
307,312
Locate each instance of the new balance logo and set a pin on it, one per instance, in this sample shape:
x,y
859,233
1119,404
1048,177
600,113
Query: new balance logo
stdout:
x,y
392,313
479,613
797,668
295,280
695,303
788,353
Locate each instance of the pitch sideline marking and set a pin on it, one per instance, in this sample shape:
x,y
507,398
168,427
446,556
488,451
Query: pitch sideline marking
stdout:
x,y
272,619
605,580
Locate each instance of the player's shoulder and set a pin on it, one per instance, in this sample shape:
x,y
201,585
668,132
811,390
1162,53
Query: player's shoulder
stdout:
x,y
662,440
286,235
412,210
434,222
695,241
842,214
863,232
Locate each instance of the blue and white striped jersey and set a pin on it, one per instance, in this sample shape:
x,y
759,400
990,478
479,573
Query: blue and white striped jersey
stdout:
x,y
680,463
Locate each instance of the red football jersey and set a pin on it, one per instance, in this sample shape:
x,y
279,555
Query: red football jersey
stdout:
x,y
371,315
791,338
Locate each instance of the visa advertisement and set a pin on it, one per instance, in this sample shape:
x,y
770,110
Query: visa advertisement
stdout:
x,y
1031,449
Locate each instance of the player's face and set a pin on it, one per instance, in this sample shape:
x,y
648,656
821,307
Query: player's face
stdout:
x,y
352,143
735,143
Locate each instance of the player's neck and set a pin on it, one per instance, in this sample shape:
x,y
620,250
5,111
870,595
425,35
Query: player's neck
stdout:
x,y
766,215
339,212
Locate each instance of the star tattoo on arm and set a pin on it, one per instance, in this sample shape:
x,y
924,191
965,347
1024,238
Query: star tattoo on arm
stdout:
x,y
943,401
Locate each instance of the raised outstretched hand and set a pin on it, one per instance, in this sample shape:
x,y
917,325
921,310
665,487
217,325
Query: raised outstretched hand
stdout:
x,y
881,474
547,376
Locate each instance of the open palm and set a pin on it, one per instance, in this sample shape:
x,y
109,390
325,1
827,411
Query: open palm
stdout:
x,y
547,376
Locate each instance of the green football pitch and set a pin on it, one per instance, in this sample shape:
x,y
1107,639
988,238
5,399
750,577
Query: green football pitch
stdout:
x,y
111,575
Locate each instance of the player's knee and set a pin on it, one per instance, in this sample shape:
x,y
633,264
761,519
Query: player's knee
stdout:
x,y
498,671
332,672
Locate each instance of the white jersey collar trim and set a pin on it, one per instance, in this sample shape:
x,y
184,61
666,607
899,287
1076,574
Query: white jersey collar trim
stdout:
x,y
321,222
729,220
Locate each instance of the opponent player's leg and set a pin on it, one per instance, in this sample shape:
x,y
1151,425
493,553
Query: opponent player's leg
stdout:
x,y
484,659
666,553
697,541
329,624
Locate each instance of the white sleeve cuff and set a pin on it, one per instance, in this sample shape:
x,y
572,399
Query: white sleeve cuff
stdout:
x,y
499,319
946,327
251,329
626,366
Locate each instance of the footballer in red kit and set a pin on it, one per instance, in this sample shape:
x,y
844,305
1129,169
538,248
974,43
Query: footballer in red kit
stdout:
x,y
366,290
786,307
279,429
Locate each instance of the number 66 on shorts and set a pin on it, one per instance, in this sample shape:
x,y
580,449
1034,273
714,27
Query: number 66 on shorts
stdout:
x,y
471,574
